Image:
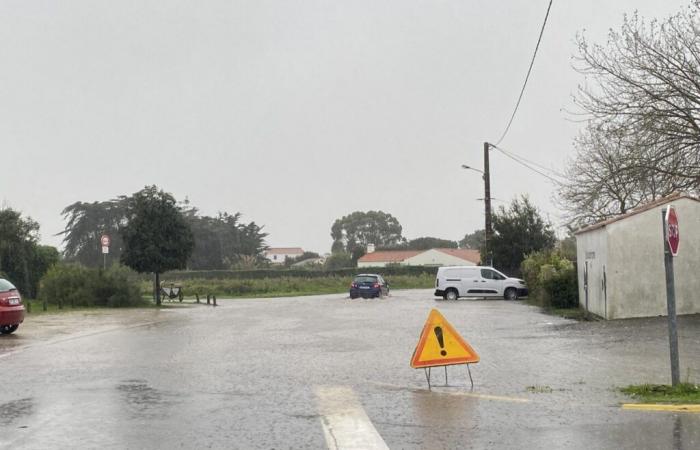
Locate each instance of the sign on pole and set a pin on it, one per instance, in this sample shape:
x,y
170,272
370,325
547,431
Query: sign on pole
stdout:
x,y
669,221
673,236
440,345
105,241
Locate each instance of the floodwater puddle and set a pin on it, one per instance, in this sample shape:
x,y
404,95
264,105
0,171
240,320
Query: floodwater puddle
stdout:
x,y
16,409
141,398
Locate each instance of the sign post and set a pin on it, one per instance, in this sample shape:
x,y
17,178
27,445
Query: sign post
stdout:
x,y
105,241
671,243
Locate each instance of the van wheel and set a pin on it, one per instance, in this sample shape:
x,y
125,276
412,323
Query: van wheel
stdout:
x,y
510,294
451,294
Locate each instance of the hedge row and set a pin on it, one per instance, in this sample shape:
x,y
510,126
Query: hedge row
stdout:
x,y
295,273
282,287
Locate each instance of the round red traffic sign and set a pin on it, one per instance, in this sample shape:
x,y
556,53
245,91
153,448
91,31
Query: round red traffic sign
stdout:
x,y
673,235
105,240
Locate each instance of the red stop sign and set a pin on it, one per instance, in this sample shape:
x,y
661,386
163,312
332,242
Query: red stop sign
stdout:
x,y
672,232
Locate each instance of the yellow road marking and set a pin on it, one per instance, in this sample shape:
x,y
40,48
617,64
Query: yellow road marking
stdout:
x,y
656,407
441,391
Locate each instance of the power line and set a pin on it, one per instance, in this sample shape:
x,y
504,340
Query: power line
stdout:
x,y
523,163
529,161
532,62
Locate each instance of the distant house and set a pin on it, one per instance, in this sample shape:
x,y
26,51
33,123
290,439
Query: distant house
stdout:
x,y
277,255
621,262
432,257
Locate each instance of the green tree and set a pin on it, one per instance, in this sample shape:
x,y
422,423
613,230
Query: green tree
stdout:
x,y
339,260
518,231
473,240
222,241
157,237
352,233
22,260
86,222
428,242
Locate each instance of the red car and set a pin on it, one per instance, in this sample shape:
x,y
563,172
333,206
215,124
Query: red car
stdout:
x,y
11,307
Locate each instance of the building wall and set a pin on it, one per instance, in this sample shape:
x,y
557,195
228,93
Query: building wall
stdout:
x,y
592,256
637,283
280,257
436,258
374,264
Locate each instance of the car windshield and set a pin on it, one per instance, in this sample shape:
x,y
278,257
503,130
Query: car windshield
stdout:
x,y
365,279
6,286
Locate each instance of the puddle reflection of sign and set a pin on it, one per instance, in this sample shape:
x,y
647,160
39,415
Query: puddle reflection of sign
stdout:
x,y
441,345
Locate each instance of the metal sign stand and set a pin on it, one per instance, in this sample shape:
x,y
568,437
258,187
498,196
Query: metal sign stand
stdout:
x,y
427,376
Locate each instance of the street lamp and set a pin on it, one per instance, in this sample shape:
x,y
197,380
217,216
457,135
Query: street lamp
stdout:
x,y
487,202
464,166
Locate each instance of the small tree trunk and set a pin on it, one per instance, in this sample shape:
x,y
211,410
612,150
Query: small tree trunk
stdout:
x,y
157,289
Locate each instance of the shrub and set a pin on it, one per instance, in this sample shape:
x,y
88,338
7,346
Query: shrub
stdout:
x,y
72,284
551,278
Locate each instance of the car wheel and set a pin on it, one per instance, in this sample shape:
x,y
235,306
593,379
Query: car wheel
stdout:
x,y
7,329
353,296
451,294
511,294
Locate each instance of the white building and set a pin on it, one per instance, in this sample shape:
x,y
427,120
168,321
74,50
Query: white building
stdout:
x,y
432,257
277,255
621,262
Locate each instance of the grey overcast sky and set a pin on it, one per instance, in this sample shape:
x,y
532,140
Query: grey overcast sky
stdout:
x,y
294,113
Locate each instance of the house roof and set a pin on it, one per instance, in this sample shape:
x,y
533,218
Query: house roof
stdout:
x,y
467,254
389,255
284,250
637,210
392,256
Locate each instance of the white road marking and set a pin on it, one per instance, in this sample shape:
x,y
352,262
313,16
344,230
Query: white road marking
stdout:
x,y
345,423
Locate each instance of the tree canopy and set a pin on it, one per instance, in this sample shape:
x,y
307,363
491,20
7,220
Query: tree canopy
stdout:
x,y
157,238
86,223
473,240
221,242
518,231
642,102
22,259
352,233
428,242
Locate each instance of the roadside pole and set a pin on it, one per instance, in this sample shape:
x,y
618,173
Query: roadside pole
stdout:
x,y
669,253
487,206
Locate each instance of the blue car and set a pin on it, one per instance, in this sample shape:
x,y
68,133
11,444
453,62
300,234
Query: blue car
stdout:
x,y
369,285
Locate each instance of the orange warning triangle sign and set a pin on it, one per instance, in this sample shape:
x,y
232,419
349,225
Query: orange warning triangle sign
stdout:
x,y
441,345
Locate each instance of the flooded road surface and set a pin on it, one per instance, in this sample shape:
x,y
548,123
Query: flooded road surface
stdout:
x,y
329,372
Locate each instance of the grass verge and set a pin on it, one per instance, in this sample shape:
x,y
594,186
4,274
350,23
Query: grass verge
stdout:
x,y
684,393
36,307
283,286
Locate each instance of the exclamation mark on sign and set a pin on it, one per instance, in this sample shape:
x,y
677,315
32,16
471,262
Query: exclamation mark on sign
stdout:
x,y
441,341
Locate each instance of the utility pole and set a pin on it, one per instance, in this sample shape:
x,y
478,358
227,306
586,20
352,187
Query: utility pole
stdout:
x,y
488,232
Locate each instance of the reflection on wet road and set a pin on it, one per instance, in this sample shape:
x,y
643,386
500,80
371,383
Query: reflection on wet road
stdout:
x,y
326,371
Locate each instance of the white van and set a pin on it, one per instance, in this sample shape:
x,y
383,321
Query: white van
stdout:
x,y
477,281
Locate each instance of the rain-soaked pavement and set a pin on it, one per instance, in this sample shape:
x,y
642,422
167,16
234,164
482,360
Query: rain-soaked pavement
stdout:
x,y
326,371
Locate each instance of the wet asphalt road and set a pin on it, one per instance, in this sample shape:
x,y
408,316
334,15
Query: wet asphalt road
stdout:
x,y
282,373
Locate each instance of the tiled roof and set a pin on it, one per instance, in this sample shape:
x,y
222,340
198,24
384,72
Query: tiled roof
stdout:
x,y
389,256
639,209
284,250
467,254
